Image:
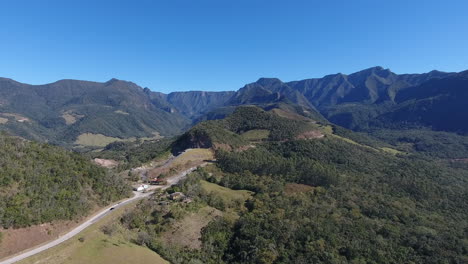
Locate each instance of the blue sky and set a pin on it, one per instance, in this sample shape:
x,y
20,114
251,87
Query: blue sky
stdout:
x,y
178,45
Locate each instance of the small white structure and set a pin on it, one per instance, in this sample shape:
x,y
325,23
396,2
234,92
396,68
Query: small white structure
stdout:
x,y
141,188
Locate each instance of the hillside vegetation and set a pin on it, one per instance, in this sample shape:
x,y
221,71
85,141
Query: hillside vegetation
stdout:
x,y
335,199
228,132
373,98
40,183
63,111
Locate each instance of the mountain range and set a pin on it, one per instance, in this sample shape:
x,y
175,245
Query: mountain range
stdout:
x,y
63,111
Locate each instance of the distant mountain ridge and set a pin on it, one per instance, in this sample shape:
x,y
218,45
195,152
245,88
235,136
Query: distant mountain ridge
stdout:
x,y
61,111
371,85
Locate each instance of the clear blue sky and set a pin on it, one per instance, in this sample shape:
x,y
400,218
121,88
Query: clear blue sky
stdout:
x,y
221,45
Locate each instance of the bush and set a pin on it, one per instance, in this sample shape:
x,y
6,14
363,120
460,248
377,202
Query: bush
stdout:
x,y
143,238
109,229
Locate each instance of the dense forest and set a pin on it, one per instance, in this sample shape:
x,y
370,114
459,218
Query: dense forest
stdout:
x,y
364,208
40,183
323,200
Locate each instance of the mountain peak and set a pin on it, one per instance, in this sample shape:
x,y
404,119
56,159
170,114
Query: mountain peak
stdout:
x,y
113,80
376,69
268,81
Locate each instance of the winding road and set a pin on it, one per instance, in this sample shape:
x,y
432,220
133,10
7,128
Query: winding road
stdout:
x,y
138,195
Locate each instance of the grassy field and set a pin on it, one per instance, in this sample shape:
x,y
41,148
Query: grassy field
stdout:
x,y
189,158
97,247
256,134
326,129
231,198
193,155
99,140
187,231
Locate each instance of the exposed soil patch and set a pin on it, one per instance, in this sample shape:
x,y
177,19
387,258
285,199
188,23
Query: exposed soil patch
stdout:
x,y
70,117
310,135
244,148
17,240
106,163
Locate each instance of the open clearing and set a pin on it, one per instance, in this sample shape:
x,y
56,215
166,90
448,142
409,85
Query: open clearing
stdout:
x,y
99,140
3,120
256,134
193,155
71,117
189,158
106,163
98,247
230,197
187,232
17,240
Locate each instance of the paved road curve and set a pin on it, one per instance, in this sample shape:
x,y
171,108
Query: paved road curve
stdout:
x,y
94,219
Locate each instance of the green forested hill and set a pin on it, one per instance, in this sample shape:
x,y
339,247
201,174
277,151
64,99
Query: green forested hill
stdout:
x,y
40,183
228,132
333,199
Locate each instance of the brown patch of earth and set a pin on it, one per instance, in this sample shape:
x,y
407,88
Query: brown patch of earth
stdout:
x,y
310,135
187,232
292,188
244,148
106,163
17,240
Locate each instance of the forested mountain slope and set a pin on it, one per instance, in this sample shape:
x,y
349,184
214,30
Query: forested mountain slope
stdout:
x,y
40,183
59,112
439,104
335,198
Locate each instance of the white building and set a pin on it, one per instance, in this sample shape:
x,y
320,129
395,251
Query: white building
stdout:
x,y
141,188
